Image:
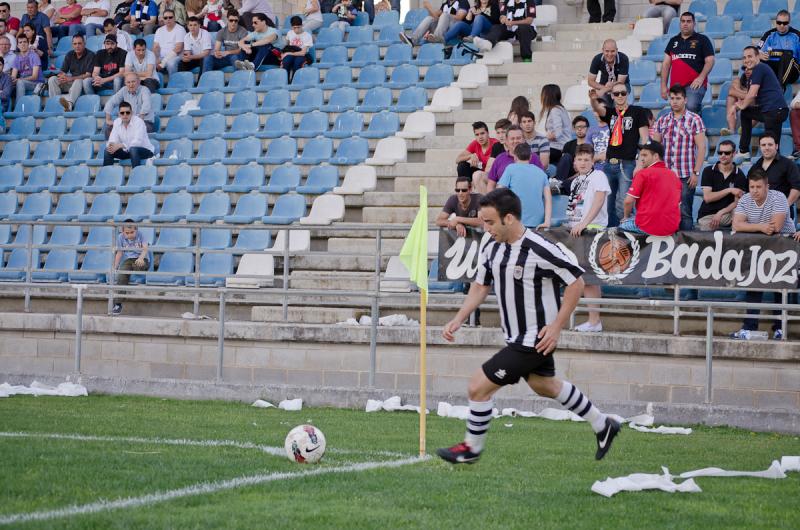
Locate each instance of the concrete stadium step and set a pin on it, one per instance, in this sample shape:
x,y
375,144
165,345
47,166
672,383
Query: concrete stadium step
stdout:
x,y
592,32
333,280
434,184
389,199
442,155
371,214
325,262
418,169
389,246
304,315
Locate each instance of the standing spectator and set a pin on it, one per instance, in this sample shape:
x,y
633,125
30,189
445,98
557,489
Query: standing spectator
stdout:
x,y
67,20
565,167
11,21
122,13
8,56
143,17
723,185
178,11
554,120
519,106
258,46
612,66
168,43
226,45
607,14
196,46
77,68
4,33
27,71
313,15
131,255
516,21
780,49
530,184
124,41
461,209
40,23
782,174
6,87
736,93
666,10
794,121
656,195
109,68
628,128
539,144
514,137
764,102
248,8
587,208
345,13
211,15
128,140
479,20
761,211
683,135
295,54
598,136
688,59
473,160
142,63
95,13
434,27
137,97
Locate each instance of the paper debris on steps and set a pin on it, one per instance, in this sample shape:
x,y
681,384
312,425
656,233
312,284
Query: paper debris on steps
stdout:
x,y
291,404
387,321
644,481
191,316
261,404
790,463
660,429
392,404
40,389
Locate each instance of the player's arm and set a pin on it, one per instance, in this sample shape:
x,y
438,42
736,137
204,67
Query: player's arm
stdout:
x,y
477,294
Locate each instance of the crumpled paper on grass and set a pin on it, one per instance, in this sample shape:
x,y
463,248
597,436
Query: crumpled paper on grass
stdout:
x,y
660,429
286,404
41,389
387,321
261,404
392,404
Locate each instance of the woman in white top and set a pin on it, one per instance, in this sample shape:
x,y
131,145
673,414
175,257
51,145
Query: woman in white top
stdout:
x,y
554,122
313,15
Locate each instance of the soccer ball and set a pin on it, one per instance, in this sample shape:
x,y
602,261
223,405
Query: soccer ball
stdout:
x,y
305,444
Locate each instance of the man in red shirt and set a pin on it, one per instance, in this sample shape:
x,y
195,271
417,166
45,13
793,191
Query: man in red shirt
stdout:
x,y
471,162
656,194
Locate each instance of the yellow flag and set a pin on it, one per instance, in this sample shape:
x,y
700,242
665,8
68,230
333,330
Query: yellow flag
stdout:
x,y
414,253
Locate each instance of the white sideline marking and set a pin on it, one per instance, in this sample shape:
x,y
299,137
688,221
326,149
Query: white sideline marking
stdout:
x,y
196,489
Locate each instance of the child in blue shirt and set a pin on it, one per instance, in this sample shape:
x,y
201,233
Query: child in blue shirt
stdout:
x,y
531,185
131,255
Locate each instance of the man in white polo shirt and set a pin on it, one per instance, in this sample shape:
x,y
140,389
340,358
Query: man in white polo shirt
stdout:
x,y
196,46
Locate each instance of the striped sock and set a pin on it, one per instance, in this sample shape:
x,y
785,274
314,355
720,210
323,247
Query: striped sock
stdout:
x,y
480,414
573,399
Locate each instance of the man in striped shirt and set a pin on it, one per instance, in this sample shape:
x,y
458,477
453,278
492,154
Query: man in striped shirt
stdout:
x,y
527,271
683,135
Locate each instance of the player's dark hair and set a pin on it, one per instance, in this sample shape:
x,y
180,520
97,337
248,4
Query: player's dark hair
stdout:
x,y
727,142
464,178
769,135
783,12
584,149
578,119
478,125
688,14
140,42
678,90
755,50
125,105
502,123
192,19
527,114
523,151
296,21
513,127
504,201
757,173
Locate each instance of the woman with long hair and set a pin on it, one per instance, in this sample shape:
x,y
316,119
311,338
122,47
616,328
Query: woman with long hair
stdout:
x,y
37,42
554,121
480,17
519,106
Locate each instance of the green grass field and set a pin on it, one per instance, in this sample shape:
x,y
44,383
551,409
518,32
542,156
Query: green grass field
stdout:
x,y
535,473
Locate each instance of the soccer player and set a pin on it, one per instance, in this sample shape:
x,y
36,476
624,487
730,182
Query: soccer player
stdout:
x,y
528,271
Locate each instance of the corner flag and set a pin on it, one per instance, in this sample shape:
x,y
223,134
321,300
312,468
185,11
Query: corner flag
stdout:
x,y
414,253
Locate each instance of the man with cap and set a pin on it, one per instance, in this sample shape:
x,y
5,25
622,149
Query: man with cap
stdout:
x,y
109,68
655,193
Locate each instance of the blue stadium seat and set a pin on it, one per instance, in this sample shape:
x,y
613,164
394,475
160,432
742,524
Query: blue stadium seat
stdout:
x,y
210,126
94,43
704,8
738,9
51,108
173,266
210,80
382,124
19,260
321,179
333,56
312,124
277,125
437,76
213,207
328,37
46,152
244,151
429,54
10,177
244,125
62,261
341,100
410,99
15,152
359,35
215,238
66,236
213,270
175,208
386,18
786,146
35,206
273,79
83,127
389,34
174,104
347,124
351,151
375,100
77,152
316,151
461,55
176,178
169,238
307,77
714,119
397,54
252,240
141,179
276,100
559,210
51,128
140,206
307,100
74,178
246,100
642,72
336,77
176,152
413,18
720,26
177,127
63,47
104,207
283,180
362,19
436,286
280,151
721,71
771,8
287,210
87,105
723,94
240,81
373,75
757,25
107,178
655,50
364,55
178,82
732,46
210,102
20,128
69,207
211,151
328,19
248,178
404,76
100,236
24,235
210,179
40,178
94,267
249,208
25,106
650,97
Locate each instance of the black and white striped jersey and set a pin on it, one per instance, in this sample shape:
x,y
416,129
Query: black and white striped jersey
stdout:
x,y
527,276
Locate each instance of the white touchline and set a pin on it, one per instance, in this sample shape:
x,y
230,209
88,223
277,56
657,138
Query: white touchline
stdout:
x,y
197,489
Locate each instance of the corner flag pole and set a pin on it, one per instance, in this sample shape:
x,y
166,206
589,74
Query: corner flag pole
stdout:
x,y
414,256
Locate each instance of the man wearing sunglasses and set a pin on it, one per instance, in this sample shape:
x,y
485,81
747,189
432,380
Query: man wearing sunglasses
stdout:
x,y
226,45
168,43
128,140
780,49
688,59
12,23
723,185
461,209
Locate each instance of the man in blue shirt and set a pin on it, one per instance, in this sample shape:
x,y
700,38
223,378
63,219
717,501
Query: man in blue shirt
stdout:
x,y
530,184
780,49
131,255
40,21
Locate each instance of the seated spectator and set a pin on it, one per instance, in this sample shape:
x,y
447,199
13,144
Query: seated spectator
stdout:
x,y
461,209
612,65
383,5
168,43
8,56
193,7
27,71
539,144
109,68
258,46
498,148
94,14
178,11
77,68
666,10
124,40
514,137
736,93
135,95
248,8
587,208
554,122
723,185
37,44
211,15
656,195
472,161
604,14
131,255
761,211
40,23
794,121
122,13
434,27
6,87
782,173
226,45
519,106
142,63
479,20
313,14
4,34
298,42
67,20
565,167
780,49
47,9
530,184
11,21
196,46
516,21
143,17
345,13
128,140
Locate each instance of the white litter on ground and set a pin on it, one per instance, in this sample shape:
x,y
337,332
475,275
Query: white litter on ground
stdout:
x,y
660,429
291,404
392,404
261,404
40,389
388,321
191,316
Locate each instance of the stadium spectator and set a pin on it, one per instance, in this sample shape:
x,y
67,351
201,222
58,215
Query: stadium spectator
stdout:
x,y
6,87
514,137
295,54
27,71
5,34
11,21
168,43
587,208
688,59
248,8
143,17
683,135
313,15
498,148
40,23
723,185
565,167
381,6
612,66
554,121
530,184
122,13
606,14
598,135
124,40
196,46
193,7
142,63
782,174
780,49
461,209
764,102
472,161
211,15
226,44
628,128
109,68
736,93
77,68
539,144
178,11
95,14
37,44
519,106
131,255
7,55
47,8
135,95
345,12
258,46
655,194
128,140
794,121
666,10
67,20
434,26
516,22
765,211
479,20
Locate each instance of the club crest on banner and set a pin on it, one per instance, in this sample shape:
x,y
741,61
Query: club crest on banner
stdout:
x,y
613,257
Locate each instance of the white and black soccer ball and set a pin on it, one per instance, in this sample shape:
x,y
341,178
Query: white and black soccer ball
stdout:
x,y
305,444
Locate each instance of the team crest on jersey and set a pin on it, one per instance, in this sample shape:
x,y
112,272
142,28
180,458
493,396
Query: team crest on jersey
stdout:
x,y
692,44
518,272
